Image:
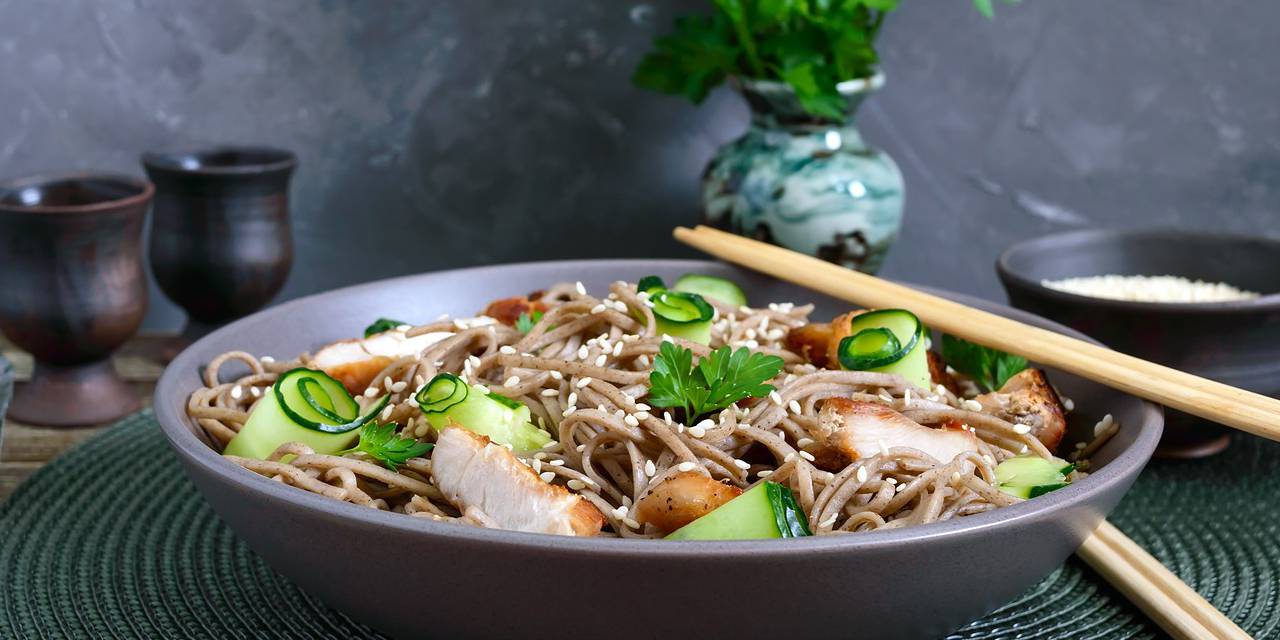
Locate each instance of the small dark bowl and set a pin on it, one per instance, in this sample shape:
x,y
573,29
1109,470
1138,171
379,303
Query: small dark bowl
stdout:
x,y
1237,343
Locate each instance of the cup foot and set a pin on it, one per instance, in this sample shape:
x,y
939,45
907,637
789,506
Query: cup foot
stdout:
x,y
58,396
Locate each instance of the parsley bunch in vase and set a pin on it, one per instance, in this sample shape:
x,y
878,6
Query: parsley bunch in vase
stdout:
x,y
801,176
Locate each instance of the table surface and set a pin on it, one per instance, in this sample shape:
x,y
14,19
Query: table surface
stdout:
x,y
25,448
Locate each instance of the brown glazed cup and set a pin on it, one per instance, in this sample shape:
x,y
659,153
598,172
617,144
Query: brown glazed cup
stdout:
x,y
72,290
221,245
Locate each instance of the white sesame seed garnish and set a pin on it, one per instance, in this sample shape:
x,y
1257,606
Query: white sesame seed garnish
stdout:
x,y
370,392
862,474
620,414
631,523
741,464
777,399
1023,449
1068,404
1021,429
266,359
764,473
804,442
1103,425
617,349
583,352
255,391
507,349
601,360
891,481
631,420
459,324
955,477
620,511
576,484
556,375
641,415
473,361
547,476
900,488
568,411
971,404
794,406
789,457
557,463
640,406
549,392
582,291
237,391
906,396
583,382
399,386
597,309
580,448
807,456
650,469
667,338
666,417
536,464
386,413
686,466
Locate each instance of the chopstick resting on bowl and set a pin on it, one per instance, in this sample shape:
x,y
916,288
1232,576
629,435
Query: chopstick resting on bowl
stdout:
x,y
1224,404
1173,605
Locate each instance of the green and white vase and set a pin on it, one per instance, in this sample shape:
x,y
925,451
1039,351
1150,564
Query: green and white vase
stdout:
x,y
807,184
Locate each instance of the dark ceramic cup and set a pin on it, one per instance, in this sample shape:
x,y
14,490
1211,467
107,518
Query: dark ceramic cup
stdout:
x,y
221,245
72,290
1236,342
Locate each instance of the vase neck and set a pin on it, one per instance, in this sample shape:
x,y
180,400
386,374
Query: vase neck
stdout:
x,y
774,105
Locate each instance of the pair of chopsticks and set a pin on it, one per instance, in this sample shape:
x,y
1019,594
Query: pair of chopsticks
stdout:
x,y
1177,608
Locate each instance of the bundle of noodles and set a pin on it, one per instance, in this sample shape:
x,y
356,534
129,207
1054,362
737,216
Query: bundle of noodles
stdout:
x,y
845,442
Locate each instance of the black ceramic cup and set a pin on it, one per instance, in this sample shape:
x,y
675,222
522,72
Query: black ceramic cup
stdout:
x,y
221,245
72,290
1236,342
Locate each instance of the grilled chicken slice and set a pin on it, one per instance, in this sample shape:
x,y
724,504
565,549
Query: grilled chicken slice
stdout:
x,y
355,362
850,430
474,473
938,373
1028,398
681,499
508,310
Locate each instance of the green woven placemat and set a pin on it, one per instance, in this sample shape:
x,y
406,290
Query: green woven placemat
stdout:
x,y
111,540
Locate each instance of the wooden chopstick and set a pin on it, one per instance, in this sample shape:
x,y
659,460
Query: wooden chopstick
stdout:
x,y
1167,600
1173,605
1211,400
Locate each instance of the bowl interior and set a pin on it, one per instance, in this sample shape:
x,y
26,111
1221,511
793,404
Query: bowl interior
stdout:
x,y
305,324
1247,262
221,160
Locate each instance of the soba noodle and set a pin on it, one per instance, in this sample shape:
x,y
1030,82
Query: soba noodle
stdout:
x,y
583,370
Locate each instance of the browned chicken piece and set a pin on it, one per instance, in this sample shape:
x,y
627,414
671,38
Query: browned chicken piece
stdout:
x,y
938,372
1028,398
355,362
479,476
810,341
681,499
850,430
841,328
508,310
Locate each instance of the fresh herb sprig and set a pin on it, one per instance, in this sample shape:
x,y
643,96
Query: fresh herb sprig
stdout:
x,y
525,321
722,378
380,325
811,45
990,368
382,444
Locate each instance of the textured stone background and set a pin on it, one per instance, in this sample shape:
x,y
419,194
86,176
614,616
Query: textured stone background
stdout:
x,y
442,133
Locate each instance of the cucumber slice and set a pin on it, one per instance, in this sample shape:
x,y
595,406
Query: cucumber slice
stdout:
x,y
448,400
682,315
1031,476
910,362
725,291
768,510
649,284
380,325
870,348
304,406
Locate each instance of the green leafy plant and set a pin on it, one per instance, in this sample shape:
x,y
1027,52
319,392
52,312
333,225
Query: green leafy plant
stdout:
x,y
381,444
525,321
380,325
722,378
811,45
990,368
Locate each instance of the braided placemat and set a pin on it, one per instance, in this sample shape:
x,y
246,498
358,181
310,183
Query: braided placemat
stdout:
x,y
112,540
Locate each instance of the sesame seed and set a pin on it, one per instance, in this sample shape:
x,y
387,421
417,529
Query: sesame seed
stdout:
x,y
582,291
255,392
640,406
237,391
386,413
741,464
617,349
794,406
764,473
807,456
631,420
1068,404
826,524
804,442
541,455
601,360
583,352
557,463
458,323
600,407
583,382
1023,449
789,457
556,375
580,448
641,415
940,390
568,412
955,477
1021,429
620,511
745,310
630,522
883,449
900,488
891,481
666,417
862,474
537,465
473,361
266,359
667,338
507,349
620,413
550,392
576,484
399,386
547,476
573,397
650,469
972,405
597,309
686,466
777,399
906,396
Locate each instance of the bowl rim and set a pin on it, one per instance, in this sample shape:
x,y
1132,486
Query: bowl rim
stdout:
x,y
170,162
182,437
1008,274
145,190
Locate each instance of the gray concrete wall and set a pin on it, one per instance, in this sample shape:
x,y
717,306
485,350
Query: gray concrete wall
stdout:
x,y
438,133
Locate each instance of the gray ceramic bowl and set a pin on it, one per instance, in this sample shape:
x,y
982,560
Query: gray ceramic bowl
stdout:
x,y
415,578
1236,342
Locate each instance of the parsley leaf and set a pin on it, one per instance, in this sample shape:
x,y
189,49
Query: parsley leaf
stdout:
x,y
381,444
991,368
719,380
380,325
525,322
